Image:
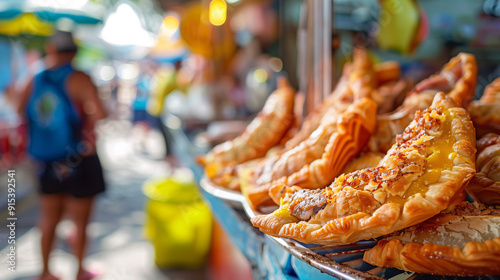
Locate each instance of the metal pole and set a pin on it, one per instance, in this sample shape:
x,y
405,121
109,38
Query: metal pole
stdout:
x,y
312,94
315,51
318,59
303,49
327,47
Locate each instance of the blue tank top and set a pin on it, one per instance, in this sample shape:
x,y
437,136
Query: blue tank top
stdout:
x,y
54,122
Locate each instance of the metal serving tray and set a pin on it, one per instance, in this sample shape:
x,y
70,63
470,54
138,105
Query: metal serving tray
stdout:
x,y
234,198
341,261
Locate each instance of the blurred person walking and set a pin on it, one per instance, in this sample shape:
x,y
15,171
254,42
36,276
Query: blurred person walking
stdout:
x,y
163,82
61,107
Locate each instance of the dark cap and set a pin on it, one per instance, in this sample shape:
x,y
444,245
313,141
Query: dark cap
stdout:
x,y
63,41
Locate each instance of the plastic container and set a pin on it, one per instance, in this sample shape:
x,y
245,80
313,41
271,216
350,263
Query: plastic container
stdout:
x,y
178,223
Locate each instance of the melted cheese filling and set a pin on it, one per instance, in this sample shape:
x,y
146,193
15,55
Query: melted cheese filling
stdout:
x,y
282,212
441,158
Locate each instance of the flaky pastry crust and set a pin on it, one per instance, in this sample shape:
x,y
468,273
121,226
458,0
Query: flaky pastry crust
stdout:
x,y
339,97
341,135
465,242
309,144
485,185
421,174
347,123
302,149
391,95
485,112
486,141
457,78
365,160
353,129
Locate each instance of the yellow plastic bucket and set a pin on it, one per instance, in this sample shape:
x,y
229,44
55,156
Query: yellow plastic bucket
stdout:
x,y
178,222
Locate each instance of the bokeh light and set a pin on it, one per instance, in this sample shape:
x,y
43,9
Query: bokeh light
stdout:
x,y
128,71
217,12
170,25
107,73
260,75
276,64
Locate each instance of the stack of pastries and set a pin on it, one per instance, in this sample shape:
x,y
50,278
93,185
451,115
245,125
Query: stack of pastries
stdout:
x,y
379,158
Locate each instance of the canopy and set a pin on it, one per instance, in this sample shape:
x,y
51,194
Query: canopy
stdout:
x,y
35,17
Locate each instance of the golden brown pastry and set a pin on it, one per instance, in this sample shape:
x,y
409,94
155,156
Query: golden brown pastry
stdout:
x,y
293,158
323,120
264,132
354,128
365,160
386,72
390,95
487,140
339,97
391,89
465,242
457,78
385,76
320,114
485,185
340,136
352,132
426,168
485,112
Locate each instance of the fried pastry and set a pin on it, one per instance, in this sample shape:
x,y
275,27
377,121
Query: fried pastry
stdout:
x,y
485,185
391,89
264,132
485,112
384,76
429,164
354,129
465,242
306,148
331,105
297,154
457,78
390,95
386,72
365,160
339,96
317,160
487,140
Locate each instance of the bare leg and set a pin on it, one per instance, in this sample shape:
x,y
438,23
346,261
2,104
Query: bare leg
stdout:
x,y
52,206
79,210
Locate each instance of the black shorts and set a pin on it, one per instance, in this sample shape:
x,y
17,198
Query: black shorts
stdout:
x,y
79,177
